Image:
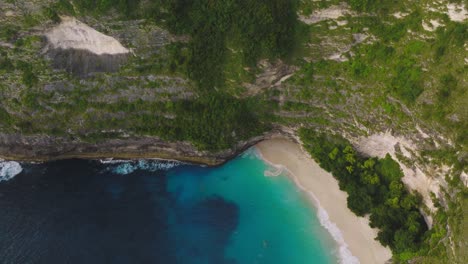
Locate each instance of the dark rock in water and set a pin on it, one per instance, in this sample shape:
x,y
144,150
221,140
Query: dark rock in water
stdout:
x,y
82,63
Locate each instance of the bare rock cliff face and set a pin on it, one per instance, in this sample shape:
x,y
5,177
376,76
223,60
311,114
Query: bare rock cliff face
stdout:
x,y
43,148
82,62
81,50
417,176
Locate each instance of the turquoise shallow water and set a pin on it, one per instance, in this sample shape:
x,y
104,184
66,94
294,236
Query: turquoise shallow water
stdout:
x,y
152,211
277,223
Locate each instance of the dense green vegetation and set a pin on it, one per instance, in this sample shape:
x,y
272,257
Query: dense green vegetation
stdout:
x,y
364,5
29,78
219,29
214,122
8,32
450,92
256,29
217,122
374,187
5,117
408,68
452,212
5,62
127,8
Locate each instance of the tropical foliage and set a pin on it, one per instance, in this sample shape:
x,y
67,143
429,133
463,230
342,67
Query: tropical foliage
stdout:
x,y
374,188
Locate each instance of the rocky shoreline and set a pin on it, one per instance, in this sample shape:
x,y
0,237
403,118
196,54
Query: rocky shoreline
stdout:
x,y
40,148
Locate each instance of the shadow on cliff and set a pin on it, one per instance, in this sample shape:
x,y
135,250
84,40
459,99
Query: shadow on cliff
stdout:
x,y
83,63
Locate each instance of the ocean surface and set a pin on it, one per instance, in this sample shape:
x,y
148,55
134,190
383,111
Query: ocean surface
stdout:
x,y
152,211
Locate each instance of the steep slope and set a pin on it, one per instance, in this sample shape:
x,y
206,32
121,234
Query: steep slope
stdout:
x,y
390,77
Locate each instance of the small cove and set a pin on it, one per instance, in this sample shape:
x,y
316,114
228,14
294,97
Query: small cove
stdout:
x,y
152,211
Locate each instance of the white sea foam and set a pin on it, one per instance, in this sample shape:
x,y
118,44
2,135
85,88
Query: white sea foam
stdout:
x,y
9,169
344,254
111,161
251,153
124,167
346,257
274,170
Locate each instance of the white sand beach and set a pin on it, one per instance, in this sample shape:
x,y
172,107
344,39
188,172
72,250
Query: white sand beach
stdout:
x,y
351,232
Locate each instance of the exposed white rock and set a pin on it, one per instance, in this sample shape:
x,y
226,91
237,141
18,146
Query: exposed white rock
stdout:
x,y
399,15
421,132
283,79
378,145
432,25
73,34
10,13
338,57
342,22
457,12
333,12
464,178
7,45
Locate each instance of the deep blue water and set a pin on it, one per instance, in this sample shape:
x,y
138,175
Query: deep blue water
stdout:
x,y
81,211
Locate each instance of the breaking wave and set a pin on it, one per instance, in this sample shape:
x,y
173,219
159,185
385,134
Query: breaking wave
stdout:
x,y
344,254
9,169
124,167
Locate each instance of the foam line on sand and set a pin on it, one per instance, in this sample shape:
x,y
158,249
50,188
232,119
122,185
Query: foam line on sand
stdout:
x,y
354,236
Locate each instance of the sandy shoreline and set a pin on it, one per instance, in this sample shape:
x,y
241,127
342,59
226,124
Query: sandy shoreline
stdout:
x,y
352,233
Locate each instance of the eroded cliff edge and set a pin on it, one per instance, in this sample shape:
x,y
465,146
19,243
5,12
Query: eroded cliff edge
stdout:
x,y
45,148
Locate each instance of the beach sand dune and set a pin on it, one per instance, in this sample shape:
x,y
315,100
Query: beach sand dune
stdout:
x,y
354,235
